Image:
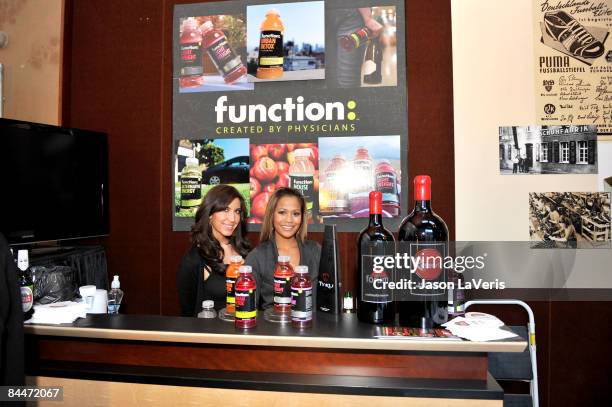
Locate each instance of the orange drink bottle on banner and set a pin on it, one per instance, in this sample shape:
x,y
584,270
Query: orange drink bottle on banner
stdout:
x,y
301,177
227,62
271,53
191,72
231,274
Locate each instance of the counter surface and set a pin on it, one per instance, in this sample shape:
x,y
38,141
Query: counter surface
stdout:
x,y
342,332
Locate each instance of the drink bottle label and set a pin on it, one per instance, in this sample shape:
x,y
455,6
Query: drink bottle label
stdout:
x,y
304,184
230,283
224,58
271,49
375,277
301,303
245,305
191,59
27,298
386,182
191,191
282,290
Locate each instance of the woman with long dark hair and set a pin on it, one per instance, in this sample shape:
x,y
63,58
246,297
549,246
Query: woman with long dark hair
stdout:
x,y
283,232
218,233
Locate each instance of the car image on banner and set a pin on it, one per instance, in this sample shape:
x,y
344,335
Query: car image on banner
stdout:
x,y
233,171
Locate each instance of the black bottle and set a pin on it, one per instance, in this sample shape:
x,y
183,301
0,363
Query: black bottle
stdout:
x,y
374,305
428,308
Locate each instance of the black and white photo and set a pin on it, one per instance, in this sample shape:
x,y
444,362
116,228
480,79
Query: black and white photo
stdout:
x,y
573,220
547,150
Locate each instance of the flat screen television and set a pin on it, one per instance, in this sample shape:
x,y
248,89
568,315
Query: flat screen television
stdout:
x,y
53,182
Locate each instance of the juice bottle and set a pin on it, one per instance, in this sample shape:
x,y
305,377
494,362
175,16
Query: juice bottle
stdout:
x,y
355,39
191,184
191,71
301,298
386,182
283,273
301,177
336,201
364,177
231,274
271,54
246,299
227,62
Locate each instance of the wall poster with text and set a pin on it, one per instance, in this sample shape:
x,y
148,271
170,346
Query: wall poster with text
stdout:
x,y
573,57
304,94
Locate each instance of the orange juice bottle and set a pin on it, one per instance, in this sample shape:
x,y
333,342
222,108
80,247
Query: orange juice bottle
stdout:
x,y
271,55
231,274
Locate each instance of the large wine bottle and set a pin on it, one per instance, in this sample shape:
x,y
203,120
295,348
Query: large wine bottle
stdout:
x,y
426,307
374,302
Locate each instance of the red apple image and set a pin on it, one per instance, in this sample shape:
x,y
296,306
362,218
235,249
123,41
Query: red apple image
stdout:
x,y
290,146
283,167
283,180
258,151
259,203
265,169
314,155
270,187
255,187
277,151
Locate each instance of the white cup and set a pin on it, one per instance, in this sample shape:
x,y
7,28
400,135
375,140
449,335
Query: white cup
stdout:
x,y
99,303
88,293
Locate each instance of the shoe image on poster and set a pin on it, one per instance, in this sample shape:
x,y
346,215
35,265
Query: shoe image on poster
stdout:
x,y
562,32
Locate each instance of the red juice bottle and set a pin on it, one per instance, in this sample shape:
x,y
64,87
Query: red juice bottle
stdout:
x,y
283,273
386,182
191,73
227,62
246,299
301,298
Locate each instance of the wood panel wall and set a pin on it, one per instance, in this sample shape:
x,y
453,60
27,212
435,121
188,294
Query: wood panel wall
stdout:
x,y
117,78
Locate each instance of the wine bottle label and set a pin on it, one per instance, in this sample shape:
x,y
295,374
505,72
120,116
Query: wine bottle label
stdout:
x,y
191,59
191,192
301,304
246,308
430,273
224,58
271,49
230,284
374,283
27,298
282,290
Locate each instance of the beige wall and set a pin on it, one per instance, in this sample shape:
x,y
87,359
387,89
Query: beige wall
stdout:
x,y
493,85
32,59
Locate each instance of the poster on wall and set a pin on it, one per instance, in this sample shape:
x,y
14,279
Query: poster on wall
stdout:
x,y
573,62
525,150
300,94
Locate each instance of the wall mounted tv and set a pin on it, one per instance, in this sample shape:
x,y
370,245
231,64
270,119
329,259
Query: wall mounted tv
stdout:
x,y
54,182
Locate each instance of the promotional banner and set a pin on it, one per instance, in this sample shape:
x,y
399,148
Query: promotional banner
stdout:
x,y
573,63
305,94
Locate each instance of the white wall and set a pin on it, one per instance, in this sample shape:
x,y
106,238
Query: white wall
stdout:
x,y
493,85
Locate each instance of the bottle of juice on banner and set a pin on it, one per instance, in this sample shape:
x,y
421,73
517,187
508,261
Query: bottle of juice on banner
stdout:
x,y
271,53
355,39
191,73
191,184
301,298
301,177
283,273
227,62
246,299
386,183
231,274
363,173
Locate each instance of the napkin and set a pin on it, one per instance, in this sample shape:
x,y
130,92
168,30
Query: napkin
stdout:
x,y
478,326
64,312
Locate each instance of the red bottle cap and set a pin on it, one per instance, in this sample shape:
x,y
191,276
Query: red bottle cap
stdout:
x,y
422,188
375,203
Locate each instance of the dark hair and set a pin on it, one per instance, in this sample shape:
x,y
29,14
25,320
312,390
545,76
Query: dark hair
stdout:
x,y
216,200
267,227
